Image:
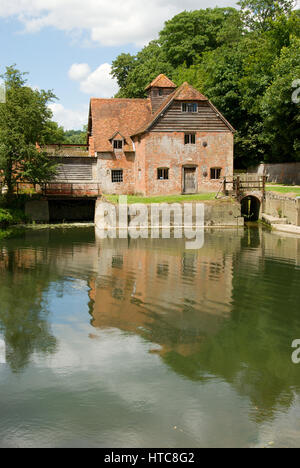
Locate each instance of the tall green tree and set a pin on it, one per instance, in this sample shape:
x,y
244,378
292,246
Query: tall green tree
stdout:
x,y
259,14
186,36
280,112
24,120
145,66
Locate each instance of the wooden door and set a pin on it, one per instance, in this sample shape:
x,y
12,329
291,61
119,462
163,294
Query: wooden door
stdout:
x,y
190,184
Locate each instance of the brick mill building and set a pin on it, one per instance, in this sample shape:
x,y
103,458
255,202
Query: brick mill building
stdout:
x,y
174,141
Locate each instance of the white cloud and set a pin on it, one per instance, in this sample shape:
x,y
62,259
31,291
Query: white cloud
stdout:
x,y
108,23
79,71
100,83
68,118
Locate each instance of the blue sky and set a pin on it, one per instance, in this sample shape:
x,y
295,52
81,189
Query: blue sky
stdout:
x,y
68,45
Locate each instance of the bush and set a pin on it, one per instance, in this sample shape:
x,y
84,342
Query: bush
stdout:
x,y
8,217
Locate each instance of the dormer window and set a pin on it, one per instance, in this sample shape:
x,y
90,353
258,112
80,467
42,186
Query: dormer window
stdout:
x,y
191,107
118,144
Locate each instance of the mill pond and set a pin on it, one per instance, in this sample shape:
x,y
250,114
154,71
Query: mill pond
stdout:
x,y
142,343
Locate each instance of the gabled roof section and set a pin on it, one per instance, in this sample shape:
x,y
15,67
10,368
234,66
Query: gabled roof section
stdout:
x,y
187,93
109,117
184,93
161,81
117,136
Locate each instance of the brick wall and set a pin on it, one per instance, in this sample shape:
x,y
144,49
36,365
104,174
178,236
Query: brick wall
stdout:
x,y
168,150
106,162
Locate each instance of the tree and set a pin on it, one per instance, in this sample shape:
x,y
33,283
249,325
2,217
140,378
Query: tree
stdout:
x,y
148,63
121,67
186,36
75,137
52,133
24,120
281,115
259,14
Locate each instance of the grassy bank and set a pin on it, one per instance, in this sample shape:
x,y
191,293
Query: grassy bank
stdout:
x,y
162,199
291,190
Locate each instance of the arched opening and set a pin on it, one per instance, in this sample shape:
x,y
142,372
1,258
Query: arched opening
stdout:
x,y
250,208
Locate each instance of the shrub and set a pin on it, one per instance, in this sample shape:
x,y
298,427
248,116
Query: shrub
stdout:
x,y
9,217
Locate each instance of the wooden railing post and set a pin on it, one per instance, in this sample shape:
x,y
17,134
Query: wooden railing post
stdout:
x,y
264,185
238,186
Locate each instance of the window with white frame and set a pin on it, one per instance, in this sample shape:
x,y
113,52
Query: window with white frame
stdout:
x,y
191,107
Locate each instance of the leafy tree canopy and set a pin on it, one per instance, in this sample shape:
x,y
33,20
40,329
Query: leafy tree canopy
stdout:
x,y
240,60
259,14
24,120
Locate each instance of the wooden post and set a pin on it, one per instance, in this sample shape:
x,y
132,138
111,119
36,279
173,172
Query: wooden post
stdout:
x,y
264,185
238,185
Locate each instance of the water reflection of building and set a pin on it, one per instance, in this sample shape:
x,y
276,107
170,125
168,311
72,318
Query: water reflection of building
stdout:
x,y
229,310
172,296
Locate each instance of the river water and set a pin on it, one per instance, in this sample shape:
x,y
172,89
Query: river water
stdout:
x,y
142,343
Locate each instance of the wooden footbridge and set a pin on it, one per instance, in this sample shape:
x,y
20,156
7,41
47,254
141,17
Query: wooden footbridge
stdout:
x,y
245,185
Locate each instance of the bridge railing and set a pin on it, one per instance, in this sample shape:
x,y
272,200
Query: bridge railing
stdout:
x,y
238,184
71,189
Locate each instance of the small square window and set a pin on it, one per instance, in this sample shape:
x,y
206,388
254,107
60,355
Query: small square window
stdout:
x,y
189,107
190,139
215,173
160,92
117,176
163,174
118,144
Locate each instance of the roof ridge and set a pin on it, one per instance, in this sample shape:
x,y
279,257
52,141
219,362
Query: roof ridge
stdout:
x,y
119,99
165,82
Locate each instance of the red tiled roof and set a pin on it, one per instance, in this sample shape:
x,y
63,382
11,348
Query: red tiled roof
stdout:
x,y
112,116
161,81
187,93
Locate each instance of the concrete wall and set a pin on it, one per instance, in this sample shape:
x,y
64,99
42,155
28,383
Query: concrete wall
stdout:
x,y
279,206
288,173
216,213
37,210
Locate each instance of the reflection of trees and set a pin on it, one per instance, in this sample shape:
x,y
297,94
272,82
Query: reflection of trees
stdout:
x,y
23,312
252,351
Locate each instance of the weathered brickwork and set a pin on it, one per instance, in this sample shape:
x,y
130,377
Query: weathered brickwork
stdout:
x,y
107,162
167,150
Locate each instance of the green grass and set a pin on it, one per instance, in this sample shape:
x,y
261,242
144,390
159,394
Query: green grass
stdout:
x,y
284,189
163,199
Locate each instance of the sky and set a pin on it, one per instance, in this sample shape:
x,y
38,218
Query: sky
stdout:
x,y
68,45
